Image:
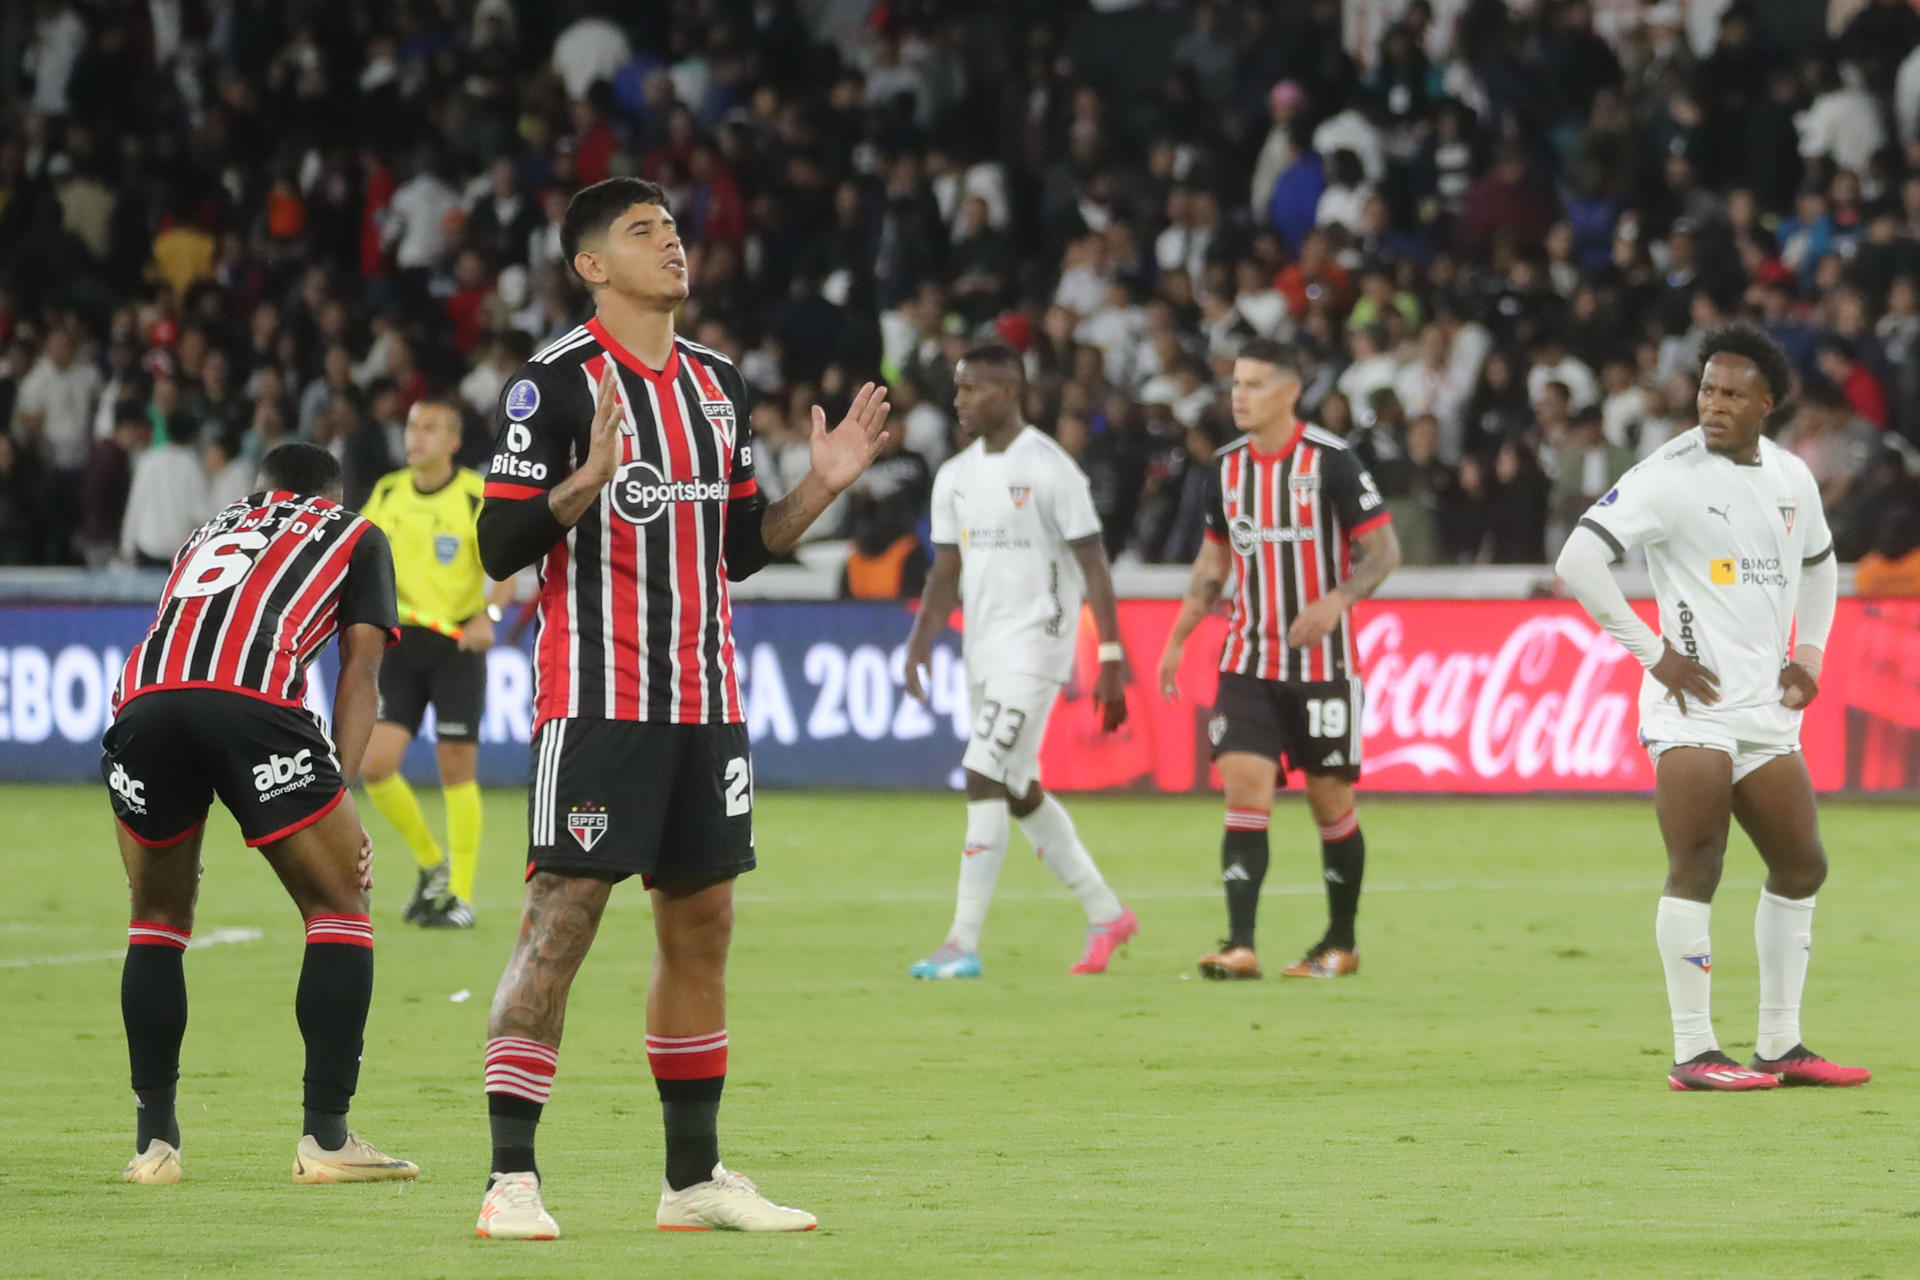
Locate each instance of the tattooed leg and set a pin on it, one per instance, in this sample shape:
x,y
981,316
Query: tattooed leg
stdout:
x,y
557,926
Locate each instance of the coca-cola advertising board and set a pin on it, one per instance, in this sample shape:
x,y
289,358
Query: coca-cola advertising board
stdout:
x,y
1495,696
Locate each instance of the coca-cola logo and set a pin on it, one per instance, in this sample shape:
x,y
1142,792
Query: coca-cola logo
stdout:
x,y
1539,704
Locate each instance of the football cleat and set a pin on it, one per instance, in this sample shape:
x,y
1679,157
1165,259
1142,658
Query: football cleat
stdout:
x,y
357,1161
428,887
729,1202
1105,939
948,962
1714,1072
157,1166
446,912
512,1210
1800,1066
1324,962
1231,962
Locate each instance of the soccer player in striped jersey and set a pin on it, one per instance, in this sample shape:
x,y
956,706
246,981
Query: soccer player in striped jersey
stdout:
x,y
1286,504
623,469
212,703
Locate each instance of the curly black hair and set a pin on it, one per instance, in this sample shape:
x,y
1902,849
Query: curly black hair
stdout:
x,y
1751,342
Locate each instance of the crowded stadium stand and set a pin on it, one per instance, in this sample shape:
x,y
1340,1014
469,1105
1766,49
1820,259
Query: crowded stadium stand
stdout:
x,y
1496,232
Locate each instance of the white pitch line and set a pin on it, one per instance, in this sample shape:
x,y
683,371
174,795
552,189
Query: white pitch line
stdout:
x,y
218,937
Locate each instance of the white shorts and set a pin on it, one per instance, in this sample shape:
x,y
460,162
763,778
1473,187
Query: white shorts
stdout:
x,y
1660,738
1009,723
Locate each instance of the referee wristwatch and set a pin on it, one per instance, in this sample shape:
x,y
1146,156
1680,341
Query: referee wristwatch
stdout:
x,y
495,613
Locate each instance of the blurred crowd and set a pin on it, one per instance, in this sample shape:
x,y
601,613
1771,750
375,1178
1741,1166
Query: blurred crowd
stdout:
x,y
1495,232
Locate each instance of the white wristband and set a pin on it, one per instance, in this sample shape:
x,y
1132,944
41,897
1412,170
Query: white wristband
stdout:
x,y
1113,651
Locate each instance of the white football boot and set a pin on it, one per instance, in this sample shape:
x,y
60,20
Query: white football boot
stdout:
x,y
512,1210
728,1202
157,1166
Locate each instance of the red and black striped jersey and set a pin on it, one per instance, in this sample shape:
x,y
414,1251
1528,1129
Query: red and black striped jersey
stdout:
x,y
635,618
1290,518
257,592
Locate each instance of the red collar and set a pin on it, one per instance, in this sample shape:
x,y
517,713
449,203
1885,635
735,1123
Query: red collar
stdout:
x,y
1286,450
632,361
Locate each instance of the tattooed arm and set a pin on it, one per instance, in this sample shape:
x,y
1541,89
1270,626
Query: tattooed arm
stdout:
x,y
839,456
1210,570
1380,549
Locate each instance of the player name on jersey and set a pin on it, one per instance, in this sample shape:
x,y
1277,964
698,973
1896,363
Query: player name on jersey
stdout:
x,y
254,595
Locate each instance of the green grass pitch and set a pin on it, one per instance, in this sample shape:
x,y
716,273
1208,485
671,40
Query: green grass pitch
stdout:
x,y
1486,1099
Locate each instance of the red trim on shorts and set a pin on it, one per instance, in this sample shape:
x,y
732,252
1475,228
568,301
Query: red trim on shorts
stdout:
x,y
1214,537
1368,526
168,843
503,489
301,825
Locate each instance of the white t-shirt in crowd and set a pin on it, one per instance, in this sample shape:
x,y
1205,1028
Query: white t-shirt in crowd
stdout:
x,y
1725,545
66,398
1013,516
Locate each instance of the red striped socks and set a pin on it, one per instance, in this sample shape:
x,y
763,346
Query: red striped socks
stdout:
x,y
690,1072
1343,860
153,1006
519,1082
351,931
148,933
521,1068
336,986
1247,819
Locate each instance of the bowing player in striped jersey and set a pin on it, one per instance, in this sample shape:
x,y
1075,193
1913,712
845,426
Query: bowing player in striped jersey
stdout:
x,y
1287,503
212,702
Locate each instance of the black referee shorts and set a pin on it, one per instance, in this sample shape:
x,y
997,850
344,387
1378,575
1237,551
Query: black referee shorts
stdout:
x,y
427,667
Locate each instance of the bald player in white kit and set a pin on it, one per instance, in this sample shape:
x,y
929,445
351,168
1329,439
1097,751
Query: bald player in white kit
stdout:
x,y
1739,552
1015,534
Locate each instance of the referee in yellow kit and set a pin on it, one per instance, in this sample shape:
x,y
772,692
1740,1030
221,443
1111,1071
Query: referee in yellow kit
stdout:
x,y
428,513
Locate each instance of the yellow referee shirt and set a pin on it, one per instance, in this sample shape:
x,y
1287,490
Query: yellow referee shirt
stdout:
x,y
436,555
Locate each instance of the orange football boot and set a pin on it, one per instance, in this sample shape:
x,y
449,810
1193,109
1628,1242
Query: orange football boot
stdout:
x,y
1231,962
1324,962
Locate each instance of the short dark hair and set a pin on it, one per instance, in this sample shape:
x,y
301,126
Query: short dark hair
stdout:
x,y
1752,343
1274,352
301,468
593,209
996,355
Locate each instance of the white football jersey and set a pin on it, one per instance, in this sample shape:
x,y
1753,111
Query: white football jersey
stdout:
x,y
1725,545
1013,515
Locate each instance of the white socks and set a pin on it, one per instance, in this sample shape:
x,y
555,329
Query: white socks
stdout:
x,y
1051,833
1783,935
1686,952
989,826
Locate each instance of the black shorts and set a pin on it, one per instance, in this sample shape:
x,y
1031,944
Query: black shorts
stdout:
x,y
614,798
1312,726
429,667
168,753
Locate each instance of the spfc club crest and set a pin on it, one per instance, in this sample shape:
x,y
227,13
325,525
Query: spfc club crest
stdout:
x,y
1787,510
586,824
1217,729
1019,493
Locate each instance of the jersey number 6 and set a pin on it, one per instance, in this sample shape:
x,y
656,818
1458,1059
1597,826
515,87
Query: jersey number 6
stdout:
x,y
218,564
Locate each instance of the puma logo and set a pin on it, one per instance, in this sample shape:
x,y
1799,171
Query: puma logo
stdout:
x,y
1721,512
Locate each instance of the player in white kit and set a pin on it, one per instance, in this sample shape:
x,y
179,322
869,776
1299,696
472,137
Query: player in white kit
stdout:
x,y
1739,552
1015,535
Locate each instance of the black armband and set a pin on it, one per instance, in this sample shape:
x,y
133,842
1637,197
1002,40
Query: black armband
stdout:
x,y
515,532
745,538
